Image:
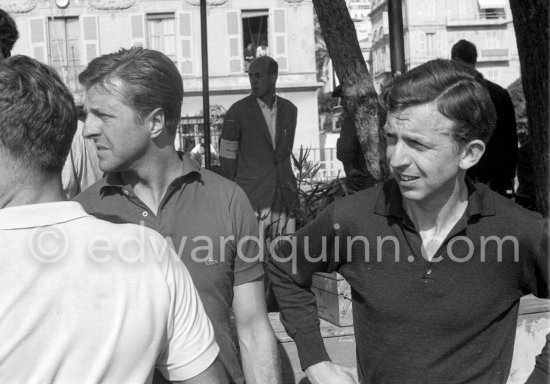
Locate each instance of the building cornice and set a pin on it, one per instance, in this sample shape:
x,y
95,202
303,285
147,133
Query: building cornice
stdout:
x,y
209,3
110,4
18,6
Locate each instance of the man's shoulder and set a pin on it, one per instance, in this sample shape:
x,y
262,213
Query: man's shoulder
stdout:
x,y
498,94
362,201
507,215
213,183
287,103
510,210
96,229
242,103
91,194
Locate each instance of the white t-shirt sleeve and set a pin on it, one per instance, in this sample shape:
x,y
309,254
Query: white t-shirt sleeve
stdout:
x,y
191,347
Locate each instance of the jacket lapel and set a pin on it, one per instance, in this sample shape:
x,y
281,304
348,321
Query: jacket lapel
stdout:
x,y
280,123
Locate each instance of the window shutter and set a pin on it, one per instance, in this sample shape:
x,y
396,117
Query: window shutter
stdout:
x,y
280,50
90,37
423,45
234,36
137,28
439,45
39,46
185,44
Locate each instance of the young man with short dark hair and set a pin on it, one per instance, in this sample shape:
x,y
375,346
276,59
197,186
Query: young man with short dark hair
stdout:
x,y
437,263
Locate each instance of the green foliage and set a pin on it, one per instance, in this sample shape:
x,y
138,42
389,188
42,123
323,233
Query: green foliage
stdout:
x,y
314,195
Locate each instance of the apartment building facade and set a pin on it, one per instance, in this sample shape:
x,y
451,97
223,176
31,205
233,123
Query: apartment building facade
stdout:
x,y
431,27
67,34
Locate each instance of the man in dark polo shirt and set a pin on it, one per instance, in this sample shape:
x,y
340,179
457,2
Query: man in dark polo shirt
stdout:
x,y
133,106
437,264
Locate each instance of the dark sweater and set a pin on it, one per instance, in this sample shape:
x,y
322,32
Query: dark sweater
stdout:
x,y
452,320
497,167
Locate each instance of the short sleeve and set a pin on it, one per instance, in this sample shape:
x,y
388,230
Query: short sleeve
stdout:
x,y
248,264
190,346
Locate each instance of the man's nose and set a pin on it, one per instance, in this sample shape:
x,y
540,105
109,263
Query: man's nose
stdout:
x,y
91,127
398,155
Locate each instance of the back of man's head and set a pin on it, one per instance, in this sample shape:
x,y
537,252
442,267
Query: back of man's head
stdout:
x,y
465,52
8,34
266,62
149,79
38,117
457,91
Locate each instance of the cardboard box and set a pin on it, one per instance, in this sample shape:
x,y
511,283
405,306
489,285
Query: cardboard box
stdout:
x,y
333,294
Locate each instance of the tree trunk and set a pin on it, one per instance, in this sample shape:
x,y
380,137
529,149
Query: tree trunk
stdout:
x,y
531,25
359,93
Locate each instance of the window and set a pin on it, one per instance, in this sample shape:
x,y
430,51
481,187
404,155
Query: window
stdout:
x,y
64,41
492,13
253,33
430,45
492,75
255,38
161,34
492,40
430,11
65,49
169,33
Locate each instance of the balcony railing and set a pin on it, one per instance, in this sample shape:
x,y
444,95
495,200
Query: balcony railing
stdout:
x,y
492,14
495,54
484,17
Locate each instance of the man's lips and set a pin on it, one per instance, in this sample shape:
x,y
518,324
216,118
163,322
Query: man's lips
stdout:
x,y
406,178
100,147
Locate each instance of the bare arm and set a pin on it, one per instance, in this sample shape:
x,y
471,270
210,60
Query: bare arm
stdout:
x,y
327,372
214,374
257,341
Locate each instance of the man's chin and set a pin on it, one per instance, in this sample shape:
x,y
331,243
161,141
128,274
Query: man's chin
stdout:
x,y
411,194
108,168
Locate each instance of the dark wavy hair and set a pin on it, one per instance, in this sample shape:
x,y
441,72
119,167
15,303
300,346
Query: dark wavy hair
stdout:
x,y
149,78
8,33
38,116
457,90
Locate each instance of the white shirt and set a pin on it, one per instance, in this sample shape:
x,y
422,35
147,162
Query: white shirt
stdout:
x,y
86,301
270,116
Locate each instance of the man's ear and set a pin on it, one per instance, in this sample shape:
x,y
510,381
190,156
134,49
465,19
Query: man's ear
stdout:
x,y
471,153
156,122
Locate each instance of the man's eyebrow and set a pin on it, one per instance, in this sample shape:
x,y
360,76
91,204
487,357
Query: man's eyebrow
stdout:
x,y
95,111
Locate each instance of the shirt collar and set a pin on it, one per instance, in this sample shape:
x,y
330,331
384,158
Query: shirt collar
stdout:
x,y
264,105
480,200
40,215
114,179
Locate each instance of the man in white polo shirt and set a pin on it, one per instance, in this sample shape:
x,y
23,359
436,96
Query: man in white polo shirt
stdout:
x,y
83,300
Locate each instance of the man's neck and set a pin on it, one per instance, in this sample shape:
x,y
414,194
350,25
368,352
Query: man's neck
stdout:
x,y
435,220
269,99
31,189
151,178
438,214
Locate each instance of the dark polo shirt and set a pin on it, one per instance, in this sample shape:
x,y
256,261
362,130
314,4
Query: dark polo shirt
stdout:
x,y
207,218
449,320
